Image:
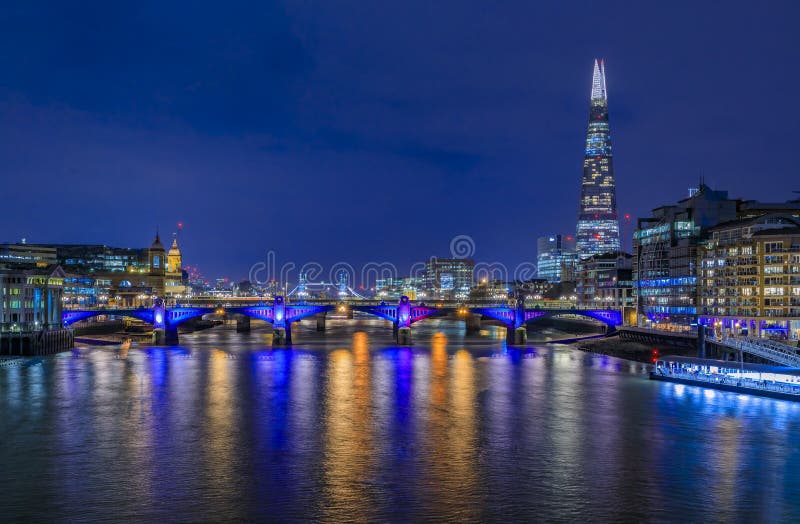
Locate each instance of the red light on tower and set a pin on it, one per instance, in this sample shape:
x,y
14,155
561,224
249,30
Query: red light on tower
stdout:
x,y
180,225
627,216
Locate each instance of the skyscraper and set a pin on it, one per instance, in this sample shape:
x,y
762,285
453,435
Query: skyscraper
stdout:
x,y
554,253
598,227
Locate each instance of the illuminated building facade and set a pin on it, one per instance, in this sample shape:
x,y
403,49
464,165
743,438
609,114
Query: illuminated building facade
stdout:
x,y
750,277
174,284
30,298
449,278
105,275
27,253
665,258
555,254
598,225
605,281
30,310
495,291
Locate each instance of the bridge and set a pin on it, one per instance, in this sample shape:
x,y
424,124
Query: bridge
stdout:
x,y
402,315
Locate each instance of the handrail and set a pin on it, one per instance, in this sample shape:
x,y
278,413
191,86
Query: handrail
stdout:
x,y
762,347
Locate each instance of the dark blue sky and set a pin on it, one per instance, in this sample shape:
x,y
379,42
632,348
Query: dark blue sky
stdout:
x,y
378,130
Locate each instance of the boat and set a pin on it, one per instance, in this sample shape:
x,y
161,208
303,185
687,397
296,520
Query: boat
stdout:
x,y
740,377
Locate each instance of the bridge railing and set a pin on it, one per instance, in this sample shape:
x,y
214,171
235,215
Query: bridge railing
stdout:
x,y
762,347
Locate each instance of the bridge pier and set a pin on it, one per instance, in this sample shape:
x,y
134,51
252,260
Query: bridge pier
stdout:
x,y
166,336
701,341
404,336
516,336
282,335
242,324
320,322
473,323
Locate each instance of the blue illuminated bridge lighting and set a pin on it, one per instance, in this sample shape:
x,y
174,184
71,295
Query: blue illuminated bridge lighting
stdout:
x,y
282,315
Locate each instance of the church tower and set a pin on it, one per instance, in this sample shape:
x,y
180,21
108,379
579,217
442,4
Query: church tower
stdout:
x,y
157,261
174,257
174,276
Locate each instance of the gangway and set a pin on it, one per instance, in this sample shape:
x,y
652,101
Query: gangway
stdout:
x,y
762,347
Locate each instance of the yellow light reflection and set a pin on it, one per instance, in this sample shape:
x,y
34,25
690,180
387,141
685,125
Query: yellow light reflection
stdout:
x,y
220,408
452,427
349,433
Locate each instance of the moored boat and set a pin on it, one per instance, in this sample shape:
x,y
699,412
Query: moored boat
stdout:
x,y
741,377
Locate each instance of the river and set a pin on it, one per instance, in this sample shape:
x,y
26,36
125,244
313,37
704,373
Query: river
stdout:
x,y
347,427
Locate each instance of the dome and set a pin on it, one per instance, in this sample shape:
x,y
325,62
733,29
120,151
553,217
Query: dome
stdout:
x,y
174,250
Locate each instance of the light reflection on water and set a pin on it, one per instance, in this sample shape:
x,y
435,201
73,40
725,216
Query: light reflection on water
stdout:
x,y
348,427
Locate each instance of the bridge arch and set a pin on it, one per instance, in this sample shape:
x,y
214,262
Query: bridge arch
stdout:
x,y
69,317
611,318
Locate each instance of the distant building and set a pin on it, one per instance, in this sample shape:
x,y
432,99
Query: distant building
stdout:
x,y
175,284
27,253
555,255
393,288
750,277
494,291
598,225
99,274
537,289
449,278
605,281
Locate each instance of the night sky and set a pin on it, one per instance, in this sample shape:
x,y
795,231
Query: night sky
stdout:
x,y
372,130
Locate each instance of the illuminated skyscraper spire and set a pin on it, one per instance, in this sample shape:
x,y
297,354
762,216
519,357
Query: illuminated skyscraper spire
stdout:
x,y
598,227
599,80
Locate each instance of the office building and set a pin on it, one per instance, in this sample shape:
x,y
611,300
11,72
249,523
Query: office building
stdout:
x,y
449,278
665,257
555,255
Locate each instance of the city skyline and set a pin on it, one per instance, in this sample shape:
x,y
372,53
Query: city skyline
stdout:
x,y
287,261
236,148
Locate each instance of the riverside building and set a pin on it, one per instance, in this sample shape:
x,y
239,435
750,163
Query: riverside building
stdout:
x,y
105,275
750,277
30,310
667,257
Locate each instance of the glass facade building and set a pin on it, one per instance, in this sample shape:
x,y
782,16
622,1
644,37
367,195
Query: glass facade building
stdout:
x,y
555,254
598,224
665,250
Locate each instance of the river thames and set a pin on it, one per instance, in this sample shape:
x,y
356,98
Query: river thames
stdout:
x,y
347,427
